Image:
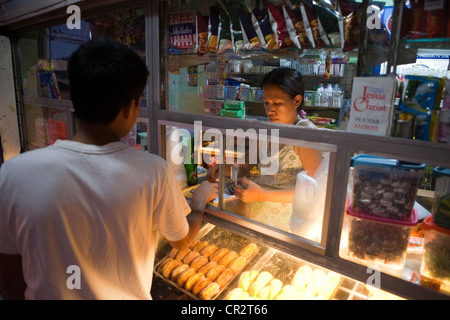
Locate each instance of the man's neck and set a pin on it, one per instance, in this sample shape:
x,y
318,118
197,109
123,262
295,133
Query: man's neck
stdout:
x,y
95,134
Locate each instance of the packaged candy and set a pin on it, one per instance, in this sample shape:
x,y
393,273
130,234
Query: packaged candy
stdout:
x,y
279,25
182,32
232,7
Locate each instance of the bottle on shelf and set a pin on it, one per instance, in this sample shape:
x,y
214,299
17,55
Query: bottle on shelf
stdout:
x,y
319,93
329,96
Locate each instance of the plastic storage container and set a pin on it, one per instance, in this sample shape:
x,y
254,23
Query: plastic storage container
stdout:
x,y
385,187
436,251
441,202
376,240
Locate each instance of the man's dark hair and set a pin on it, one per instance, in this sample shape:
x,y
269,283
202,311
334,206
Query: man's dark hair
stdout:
x,y
287,79
104,76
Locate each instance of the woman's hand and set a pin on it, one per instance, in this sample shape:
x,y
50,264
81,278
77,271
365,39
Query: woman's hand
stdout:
x,y
212,174
250,193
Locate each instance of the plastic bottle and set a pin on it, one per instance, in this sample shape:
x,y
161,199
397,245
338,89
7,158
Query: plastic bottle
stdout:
x,y
329,95
319,94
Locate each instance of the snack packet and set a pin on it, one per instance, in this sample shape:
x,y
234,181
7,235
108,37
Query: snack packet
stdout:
x,y
278,24
213,34
182,32
251,38
225,39
309,13
202,34
351,12
232,7
260,18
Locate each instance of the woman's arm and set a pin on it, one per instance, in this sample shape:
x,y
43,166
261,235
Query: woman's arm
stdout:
x,y
253,192
310,158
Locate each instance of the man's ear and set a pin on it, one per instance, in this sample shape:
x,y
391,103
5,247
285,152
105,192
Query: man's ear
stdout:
x,y
126,111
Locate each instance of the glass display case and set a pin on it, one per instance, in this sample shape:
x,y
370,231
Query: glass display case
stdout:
x,y
204,107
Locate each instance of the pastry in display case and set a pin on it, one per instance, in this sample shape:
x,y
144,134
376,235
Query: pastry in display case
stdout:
x,y
222,265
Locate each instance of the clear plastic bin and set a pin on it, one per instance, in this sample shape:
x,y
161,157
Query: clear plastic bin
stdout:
x,y
377,241
436,251
385,187
441,202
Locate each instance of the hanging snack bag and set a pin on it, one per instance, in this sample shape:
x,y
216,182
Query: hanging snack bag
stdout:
x,y
351,12
231,7
261,18
309,13
329,17
296,27
417,19
182,32
278,24
202,34
251,39
213,32
225,39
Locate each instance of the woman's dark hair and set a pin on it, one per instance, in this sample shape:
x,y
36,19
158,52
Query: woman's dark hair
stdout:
x,y
104,76
287,79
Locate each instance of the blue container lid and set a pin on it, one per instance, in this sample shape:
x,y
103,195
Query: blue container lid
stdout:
x,y
364,159
439,172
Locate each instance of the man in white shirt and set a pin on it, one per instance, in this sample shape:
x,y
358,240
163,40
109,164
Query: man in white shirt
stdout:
x,y
80,219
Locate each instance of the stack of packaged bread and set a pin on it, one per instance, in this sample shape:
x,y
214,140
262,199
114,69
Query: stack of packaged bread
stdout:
x,y
204,269
306,284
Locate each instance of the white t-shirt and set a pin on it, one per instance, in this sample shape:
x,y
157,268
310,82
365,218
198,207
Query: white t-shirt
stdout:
x,y
98,208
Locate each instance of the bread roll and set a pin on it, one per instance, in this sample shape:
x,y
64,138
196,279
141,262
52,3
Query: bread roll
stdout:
x,y
177,271
173,253
199,262
288,292
209,250
246,278
161,266
192,280
260,282
318,278
238,264
307,273
200,245
224,278
249,251
207,267
305,295
219,254
332,281
200,285
210,291
182,254
228,258
298,281
191,256
166,271
236,294
275,286
182,278
263,294
215,272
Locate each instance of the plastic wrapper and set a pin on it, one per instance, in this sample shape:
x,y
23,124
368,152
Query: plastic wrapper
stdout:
x,y
202,34
296,27
251,39
260,18
182,32
232,7
351,12
225,38
278,24
309,13
213,32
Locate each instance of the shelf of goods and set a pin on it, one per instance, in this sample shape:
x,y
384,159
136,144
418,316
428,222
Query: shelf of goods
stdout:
x,y
222,265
